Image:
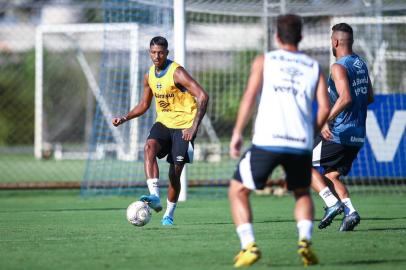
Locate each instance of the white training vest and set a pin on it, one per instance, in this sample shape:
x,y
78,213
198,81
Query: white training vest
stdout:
x,y
284,116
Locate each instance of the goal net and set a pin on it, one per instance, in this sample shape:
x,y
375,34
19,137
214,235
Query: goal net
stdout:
x,y
64,115
121,85
222,38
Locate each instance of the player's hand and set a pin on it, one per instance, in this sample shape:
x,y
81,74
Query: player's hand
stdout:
x,y
235,145
118,121
326,133
188,133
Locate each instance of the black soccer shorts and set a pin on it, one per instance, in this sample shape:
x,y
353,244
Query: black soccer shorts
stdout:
x,y
257,164
332,156
177,150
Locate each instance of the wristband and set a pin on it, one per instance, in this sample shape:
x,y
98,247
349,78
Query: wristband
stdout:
x,y
123,119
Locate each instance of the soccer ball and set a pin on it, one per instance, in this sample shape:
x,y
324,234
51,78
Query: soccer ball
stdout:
x,y
138,213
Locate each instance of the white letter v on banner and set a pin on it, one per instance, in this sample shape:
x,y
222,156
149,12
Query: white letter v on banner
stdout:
x,y
384,149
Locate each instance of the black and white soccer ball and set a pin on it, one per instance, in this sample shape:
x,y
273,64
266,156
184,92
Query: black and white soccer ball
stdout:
x,y
139,213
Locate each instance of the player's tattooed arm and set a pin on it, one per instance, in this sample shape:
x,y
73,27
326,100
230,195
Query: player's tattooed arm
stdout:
x,y
202,98
140,108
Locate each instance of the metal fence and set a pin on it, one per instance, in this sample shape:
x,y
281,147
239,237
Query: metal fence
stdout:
x,y
222,38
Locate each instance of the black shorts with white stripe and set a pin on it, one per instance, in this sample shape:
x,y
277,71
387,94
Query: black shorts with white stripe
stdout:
x,y
332,156
178,150
256,165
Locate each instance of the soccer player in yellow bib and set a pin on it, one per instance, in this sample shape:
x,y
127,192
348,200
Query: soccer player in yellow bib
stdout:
x,y
180,106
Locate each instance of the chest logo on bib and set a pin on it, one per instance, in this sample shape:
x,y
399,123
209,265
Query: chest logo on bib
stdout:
x,y
357,64
292,72
163,104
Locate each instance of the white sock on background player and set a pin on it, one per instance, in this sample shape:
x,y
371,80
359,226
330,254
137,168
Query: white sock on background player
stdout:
x,y
348,207
328,197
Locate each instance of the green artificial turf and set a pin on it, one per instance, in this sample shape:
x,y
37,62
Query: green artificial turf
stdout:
x,y
61,230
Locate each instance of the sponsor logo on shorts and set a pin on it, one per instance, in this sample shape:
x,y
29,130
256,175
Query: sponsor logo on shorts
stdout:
x,y
357,139
180,158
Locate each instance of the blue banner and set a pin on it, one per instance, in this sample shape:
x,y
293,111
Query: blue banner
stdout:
x,y
384,152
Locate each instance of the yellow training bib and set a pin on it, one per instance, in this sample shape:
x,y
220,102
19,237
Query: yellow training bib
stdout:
x,y
175,108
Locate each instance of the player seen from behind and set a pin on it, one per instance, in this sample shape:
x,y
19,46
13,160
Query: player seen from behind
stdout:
x,y
288,81
342,137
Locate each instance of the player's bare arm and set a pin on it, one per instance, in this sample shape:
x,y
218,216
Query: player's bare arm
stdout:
x,y
339,75
140,108
247,105
183,78
323,103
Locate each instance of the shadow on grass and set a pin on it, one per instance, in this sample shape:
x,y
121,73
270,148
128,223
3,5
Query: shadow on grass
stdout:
x,y
383,229
359,262
382,218
64,210
345,263
337,218
316,220
162,228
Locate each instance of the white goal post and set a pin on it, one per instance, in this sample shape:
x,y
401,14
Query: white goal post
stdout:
x,y
68,30
179,26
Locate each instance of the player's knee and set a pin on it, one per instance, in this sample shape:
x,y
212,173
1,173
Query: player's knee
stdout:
x,y
236,188
149,148
175,170
173,176
333,175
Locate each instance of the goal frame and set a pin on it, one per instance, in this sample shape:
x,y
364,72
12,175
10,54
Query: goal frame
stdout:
x,y
41,30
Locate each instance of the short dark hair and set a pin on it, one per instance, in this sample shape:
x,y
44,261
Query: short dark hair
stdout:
x,y
343,27
160,41
289,28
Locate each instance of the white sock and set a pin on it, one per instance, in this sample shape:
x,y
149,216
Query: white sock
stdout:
x,y
305,229
246,234
170,208
328,197
153,186
348,207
